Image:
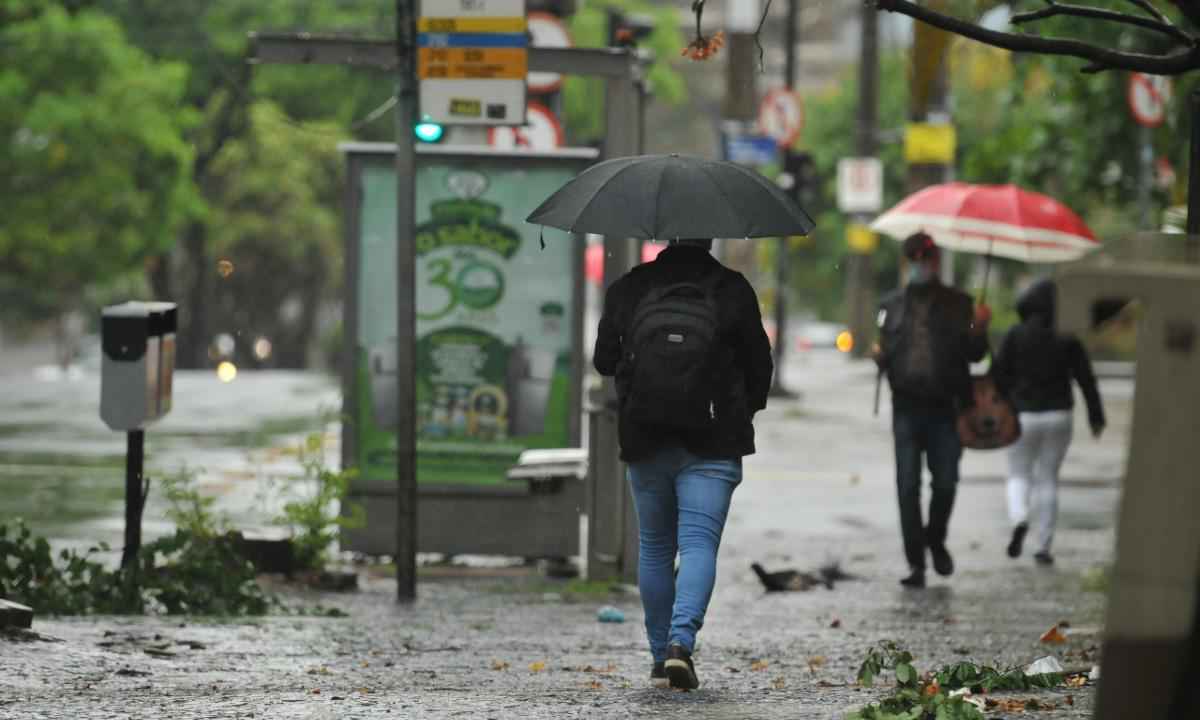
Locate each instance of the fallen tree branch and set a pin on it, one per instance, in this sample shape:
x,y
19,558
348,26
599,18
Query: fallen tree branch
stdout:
x,y
1099,58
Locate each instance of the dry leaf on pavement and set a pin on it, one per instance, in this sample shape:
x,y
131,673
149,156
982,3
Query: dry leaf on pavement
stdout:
x,y
537,666
778,683
1053,635
499,665
759,665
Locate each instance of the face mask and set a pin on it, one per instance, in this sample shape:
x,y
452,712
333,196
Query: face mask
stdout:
x,y
920,273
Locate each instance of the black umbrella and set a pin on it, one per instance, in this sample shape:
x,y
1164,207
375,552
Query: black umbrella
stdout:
x,y
665,197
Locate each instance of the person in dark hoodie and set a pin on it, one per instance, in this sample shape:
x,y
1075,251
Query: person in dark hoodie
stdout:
x,y
684,339
1034,368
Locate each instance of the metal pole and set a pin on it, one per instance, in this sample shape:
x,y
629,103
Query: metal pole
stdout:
x,y
1145,178
1193,201
134,495
782,261
406,297
861,271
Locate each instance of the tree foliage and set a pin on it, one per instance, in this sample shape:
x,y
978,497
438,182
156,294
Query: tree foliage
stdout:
x,y
1175,23
819,264
274,196
589,28
94,166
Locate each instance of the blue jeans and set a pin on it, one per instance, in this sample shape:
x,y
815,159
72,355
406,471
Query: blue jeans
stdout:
x,y
682,501
934,435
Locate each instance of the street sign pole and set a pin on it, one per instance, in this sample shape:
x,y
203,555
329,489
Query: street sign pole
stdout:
x,y
782,261
860,271
1193,196
406,298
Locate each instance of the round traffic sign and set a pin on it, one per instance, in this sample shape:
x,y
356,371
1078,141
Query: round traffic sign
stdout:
x,y
541,131
781,116
546,30
1148,98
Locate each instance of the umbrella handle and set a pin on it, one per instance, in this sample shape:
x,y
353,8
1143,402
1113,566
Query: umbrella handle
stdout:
x,y
987,271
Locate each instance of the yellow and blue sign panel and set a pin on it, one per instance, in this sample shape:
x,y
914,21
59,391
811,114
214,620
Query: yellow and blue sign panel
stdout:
x,y
472,61
480,54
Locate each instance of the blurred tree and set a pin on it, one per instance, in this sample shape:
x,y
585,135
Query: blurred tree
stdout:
x,y
93,167
274,194
1038,122
1078,30
212,38
589,28
818,271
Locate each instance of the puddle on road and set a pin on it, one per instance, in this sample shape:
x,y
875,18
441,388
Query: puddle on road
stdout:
x,y
56,498
63,471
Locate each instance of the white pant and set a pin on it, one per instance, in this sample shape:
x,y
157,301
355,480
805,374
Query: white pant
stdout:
x,y
1033,465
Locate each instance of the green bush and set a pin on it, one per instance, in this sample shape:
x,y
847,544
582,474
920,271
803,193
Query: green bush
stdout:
x,y
316,517
183,573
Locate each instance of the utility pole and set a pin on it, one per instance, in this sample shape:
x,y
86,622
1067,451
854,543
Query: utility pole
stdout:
x,y
860,271
406,297
739,108
782,259
741,63
397,54
1193,196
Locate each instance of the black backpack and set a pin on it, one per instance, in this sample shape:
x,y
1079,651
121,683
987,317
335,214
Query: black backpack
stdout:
x,y
672,351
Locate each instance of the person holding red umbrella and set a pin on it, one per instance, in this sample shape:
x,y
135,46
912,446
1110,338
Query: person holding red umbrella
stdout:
x,y
929,336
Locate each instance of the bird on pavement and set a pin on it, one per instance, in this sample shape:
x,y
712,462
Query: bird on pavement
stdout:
x,y
789,580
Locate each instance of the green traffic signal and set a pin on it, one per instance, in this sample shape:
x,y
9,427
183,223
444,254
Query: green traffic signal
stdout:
x,y
429,132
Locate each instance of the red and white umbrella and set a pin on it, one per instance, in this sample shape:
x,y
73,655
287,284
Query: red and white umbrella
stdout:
x,y
1000,220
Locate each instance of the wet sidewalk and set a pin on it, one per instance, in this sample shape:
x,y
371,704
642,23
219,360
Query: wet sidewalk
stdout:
x,y
513,645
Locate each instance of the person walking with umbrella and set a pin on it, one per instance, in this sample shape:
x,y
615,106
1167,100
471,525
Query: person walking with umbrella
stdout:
x,y
1034,368
992,220
929,336
683,338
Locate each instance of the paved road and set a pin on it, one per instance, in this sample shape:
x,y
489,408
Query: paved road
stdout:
x,y
821,488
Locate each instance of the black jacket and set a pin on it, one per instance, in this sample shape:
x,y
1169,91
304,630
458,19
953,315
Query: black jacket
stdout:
x,y
1035,364
741,330
949,344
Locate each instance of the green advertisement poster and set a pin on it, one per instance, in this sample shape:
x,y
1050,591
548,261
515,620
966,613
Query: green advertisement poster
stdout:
x,y
495,319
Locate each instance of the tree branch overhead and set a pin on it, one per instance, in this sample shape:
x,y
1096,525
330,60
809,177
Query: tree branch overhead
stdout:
x,y
1053,8
1099,58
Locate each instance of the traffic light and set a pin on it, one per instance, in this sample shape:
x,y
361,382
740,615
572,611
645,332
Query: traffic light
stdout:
x,y
803,171
627,30
429,132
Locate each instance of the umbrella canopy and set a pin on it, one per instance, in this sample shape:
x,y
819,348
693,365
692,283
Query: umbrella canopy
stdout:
x,y
1001,220
664,197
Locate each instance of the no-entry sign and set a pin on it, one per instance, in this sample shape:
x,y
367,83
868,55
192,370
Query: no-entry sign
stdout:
x,y
781,116
541,131
1148,98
